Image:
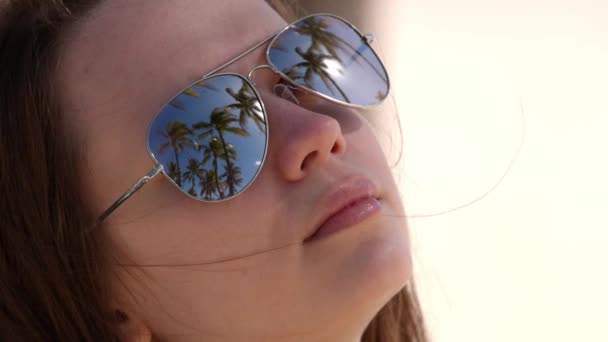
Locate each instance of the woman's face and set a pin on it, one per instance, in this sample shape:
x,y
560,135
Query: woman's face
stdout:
x,y
237,270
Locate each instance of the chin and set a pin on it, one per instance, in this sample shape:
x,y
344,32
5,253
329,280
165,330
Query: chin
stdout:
x,y
363,267
382,257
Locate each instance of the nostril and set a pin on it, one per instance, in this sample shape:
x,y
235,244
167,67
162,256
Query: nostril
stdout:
x,y
335,148
339,146
309,158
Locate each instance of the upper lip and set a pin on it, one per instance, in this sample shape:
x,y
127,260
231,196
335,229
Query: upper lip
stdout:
x,y
340,196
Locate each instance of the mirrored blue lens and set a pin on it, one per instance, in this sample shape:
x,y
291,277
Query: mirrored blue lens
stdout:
x,y
211,138
325,54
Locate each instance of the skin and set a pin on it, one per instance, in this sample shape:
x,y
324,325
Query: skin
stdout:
x,y
237,270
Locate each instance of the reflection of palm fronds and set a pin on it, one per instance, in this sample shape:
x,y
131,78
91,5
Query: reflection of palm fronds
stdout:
x,y
213,150
193,172
206,85
202,84
220,122
179,104
248,105
221,119
314,64
322,39
190,92
208,184
277,44
172,172
233,176
176,103
178,137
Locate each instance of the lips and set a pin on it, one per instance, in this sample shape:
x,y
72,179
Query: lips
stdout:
x,y
346,204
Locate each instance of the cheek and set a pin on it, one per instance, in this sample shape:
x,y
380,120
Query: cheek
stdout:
x,y
385,255
184,231
365,150
246,296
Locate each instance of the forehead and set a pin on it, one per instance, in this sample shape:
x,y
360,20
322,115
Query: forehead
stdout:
x,y
128,51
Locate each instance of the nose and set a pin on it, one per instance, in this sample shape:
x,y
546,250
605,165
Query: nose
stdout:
x,y
301,140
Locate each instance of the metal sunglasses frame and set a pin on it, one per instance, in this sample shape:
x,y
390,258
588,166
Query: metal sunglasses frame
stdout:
x,y
158,168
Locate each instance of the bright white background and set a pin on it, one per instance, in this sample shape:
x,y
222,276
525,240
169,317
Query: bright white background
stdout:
x,y
487,89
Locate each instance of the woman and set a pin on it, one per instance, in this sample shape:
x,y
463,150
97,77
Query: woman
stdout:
x,y
217,249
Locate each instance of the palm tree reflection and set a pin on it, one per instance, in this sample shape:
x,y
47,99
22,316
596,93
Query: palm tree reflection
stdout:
x,y
209,185
215,171
232,172
315,65
323,59
192,174
319,30
248,105
178,137
213,151
172,172
220,122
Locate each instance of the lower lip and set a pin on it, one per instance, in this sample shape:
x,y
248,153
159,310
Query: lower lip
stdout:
x,y
349,216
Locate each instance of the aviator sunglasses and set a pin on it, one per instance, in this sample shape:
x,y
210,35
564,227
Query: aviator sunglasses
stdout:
x,y
210,140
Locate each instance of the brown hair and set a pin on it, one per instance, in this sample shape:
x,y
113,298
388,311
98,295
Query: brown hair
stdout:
x,y
53,279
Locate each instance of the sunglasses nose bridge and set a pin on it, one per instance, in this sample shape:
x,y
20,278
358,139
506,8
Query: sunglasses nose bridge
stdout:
x,y
250,74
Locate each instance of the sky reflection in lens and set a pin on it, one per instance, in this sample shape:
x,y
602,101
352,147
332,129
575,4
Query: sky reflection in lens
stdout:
x,y
211,138
325,54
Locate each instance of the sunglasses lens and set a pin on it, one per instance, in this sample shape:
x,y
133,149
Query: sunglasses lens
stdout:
x,y
325,54
211,138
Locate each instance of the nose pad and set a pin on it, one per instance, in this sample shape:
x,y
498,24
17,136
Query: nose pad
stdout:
x,y
283,91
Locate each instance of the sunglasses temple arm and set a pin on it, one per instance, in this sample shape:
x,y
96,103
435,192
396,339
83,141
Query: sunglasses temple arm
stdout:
x,y
145,179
